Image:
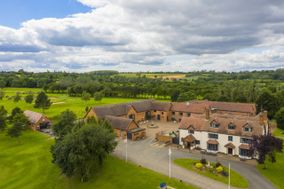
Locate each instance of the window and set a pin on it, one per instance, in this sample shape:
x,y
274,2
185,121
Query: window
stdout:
x,y
173,113
188,114
155,110
180,113
197,142
214,124
245,140
191,131
162,113
247,129
244,152
213,135
213,147
231,126
230,138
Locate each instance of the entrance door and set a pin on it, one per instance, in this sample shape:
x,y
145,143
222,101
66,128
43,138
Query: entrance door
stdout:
x,y
158,117
230,151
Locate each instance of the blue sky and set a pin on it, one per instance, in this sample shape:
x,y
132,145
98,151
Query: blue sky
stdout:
x,y
141,35
14,12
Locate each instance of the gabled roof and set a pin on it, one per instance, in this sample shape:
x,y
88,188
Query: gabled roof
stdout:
x,y
119,122
122,109
230,145
189,107
233,107
161,106
189,138
200,123
33,117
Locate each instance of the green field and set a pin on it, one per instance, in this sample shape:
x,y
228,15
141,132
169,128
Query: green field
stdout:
x,y
25,163
236,179
61,102
274,171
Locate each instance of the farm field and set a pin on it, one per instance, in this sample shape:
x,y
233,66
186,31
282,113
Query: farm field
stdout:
x,y
26,164
155,75
61,102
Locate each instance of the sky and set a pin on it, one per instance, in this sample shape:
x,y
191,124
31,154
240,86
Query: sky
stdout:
x,y
141,35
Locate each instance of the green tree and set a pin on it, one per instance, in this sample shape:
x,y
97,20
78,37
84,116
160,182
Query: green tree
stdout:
x,y
267,101
3,118
86,96
18,97
65,124
98,96
2,94
82,152
20,123
14,112
42,101
29,98
280,118
187,96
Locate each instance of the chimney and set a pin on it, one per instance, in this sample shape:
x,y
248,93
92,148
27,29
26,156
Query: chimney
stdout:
x,y
207,113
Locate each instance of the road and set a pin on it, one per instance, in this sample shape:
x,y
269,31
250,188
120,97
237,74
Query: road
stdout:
x,y
155,157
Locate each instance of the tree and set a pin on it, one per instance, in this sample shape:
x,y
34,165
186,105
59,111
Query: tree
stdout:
x,y
280,118
29,98
98,96
20,123
42,101
14,112
187,96
86,96
18,97
3,118
65,124
2,94
267,101
82,152
266,146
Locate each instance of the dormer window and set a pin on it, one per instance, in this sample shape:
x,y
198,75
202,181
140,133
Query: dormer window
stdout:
x,y
231,126
214,124
247,129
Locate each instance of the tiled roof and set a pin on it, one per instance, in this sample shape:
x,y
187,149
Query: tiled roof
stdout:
x,y
245,146
119,122
189,138
122,109
200,123
212,142
33,117
230,145
233,107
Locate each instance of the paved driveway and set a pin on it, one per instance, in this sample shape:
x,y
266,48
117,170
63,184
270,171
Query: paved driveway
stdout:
x,y
155,157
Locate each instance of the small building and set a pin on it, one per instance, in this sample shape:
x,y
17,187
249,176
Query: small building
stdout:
x,y
125,127
37,120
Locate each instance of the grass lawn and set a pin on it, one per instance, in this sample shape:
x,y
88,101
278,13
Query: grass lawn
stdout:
x,y
61,102
274,171
278,133
25,163
236,179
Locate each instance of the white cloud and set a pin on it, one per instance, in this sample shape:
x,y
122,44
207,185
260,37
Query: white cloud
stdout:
x,y
158,35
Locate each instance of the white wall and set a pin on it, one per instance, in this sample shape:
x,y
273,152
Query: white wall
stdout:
x,y
222,139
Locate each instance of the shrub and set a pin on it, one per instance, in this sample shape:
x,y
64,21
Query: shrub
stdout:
x,y
225,174
219,169
203,161
198,165
218,164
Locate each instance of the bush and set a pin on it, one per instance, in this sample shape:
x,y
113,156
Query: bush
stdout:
x,y
219,169
198,165
225,174
203,161
218,164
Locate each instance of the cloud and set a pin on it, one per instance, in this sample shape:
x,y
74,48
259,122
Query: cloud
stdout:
x,y
140,35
